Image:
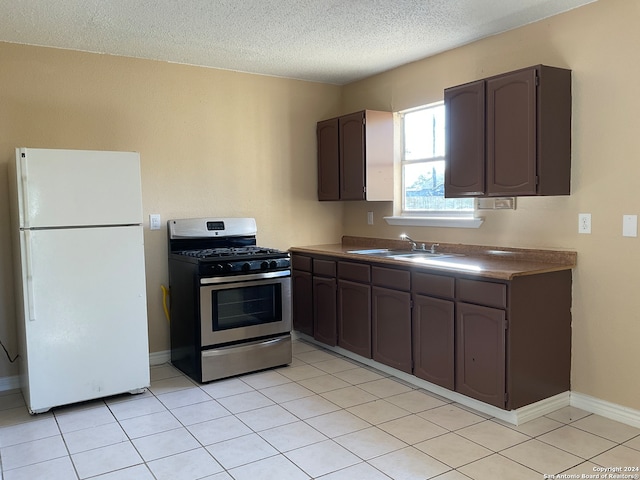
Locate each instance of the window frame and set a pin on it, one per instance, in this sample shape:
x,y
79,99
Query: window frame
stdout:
x,y
440,218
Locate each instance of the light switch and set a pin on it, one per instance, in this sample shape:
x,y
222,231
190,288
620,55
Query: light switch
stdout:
x,y
154,221
629,225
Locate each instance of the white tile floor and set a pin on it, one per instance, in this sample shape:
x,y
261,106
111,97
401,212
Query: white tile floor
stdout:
x,y
321,417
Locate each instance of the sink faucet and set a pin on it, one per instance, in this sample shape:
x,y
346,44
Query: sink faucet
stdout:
x,y
414,245
423,247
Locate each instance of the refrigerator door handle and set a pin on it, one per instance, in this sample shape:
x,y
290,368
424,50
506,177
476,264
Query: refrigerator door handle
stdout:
x,y
29,276
23,187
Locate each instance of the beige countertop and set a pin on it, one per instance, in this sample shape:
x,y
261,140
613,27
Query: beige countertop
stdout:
x,y
476,260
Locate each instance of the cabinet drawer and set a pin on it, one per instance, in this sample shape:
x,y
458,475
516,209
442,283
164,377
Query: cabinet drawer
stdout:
x,y
325,268
356,272
300,262
391,278
433,285
483,293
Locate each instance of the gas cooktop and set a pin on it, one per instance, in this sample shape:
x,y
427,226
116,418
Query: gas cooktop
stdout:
x,y
223,246
232,252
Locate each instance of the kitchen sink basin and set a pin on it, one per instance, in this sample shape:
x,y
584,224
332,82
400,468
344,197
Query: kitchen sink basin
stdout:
x,y
422,255
379,252
404,254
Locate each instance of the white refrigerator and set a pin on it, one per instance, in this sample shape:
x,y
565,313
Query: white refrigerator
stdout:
x,y
80,275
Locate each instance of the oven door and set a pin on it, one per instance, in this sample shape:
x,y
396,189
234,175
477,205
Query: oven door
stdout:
x,y
239,308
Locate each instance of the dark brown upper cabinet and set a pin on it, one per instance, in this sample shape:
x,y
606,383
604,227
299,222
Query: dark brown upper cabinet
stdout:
x,y
509,135
355,157
328,160
465,140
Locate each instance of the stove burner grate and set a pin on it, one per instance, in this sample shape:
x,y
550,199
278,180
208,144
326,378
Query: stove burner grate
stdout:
x,y
229,252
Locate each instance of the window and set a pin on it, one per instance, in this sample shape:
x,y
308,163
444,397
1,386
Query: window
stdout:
x,y
422,132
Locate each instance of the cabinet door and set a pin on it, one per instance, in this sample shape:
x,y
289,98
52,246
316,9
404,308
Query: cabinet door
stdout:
x,y
511,134
434,340
302,301
324,308
391,324
328,160
465,140
354,317
352,156
480,353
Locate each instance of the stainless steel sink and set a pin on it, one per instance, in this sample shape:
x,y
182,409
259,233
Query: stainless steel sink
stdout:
x,y
379,252
403,254
422,255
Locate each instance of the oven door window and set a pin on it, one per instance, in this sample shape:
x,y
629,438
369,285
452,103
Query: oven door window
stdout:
x,y
246,306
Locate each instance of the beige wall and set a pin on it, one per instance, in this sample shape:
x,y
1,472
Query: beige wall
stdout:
x,y
599,43
223,143
212,143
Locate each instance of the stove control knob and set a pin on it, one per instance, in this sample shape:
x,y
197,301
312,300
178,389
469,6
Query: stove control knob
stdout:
x,y
264,265
218,268
228,267
246,267
273,264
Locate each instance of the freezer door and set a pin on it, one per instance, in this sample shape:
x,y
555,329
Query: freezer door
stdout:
x,y
85,314
60,188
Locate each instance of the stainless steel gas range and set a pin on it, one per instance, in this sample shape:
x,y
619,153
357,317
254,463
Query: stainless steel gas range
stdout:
x,y
230,299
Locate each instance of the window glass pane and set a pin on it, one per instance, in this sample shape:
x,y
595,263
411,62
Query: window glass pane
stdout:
x,y
423,164
424,133
424,189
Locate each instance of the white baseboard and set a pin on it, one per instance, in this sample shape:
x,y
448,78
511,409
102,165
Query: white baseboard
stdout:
x,y
507,416
606,409
9,383
158,358
538,409
515,417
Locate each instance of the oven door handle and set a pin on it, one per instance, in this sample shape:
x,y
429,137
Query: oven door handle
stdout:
x,y
244,278
244,348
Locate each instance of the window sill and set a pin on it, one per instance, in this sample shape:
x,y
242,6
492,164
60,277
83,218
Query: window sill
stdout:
x,y
409,221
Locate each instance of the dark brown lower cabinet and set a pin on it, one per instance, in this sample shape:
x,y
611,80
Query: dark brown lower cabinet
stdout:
x,y
354,317
302,292
434,340
503,342
480,353
324,308
302,301
391,325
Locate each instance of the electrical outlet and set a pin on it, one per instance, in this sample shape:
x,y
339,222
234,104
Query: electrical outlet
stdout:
x,y
369,218
154,221
584,223
629,225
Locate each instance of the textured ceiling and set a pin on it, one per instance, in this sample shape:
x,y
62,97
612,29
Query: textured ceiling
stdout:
x,y
332,41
